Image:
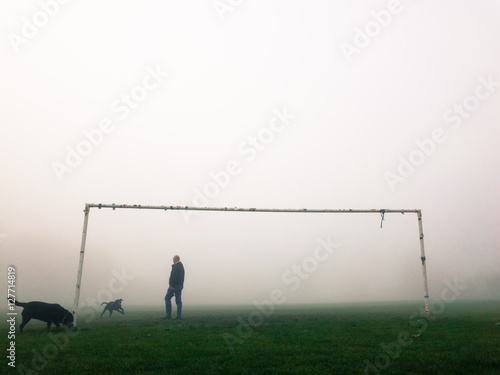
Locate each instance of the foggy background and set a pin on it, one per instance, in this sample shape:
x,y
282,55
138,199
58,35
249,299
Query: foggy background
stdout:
x,y
249,104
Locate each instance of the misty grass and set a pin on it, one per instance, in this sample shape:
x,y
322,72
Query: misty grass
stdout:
x,y
316,339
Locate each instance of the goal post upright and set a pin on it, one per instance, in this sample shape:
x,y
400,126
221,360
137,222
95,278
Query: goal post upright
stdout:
x,y
382,212
422,258
80,263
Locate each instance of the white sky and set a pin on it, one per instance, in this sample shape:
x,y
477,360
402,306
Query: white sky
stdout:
x,y
350,118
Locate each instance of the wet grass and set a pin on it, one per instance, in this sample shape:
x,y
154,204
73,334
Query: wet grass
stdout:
x,y
386,338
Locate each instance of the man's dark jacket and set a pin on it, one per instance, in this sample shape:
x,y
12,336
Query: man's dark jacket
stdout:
x,y
177,274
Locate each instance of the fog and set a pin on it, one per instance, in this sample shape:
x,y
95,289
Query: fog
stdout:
x,y
283,104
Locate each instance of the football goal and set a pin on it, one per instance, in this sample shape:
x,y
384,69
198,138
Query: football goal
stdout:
x,y
381,212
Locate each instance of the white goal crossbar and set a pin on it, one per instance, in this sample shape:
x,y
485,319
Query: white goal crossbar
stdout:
x,y
382,212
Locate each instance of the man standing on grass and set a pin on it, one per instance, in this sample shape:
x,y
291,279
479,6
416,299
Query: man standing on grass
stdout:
x,y
176,283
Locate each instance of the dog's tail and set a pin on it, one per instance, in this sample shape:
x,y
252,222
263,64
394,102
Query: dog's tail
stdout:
x,y
16,302
104,303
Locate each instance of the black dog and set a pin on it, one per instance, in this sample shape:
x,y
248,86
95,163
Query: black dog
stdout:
x,y
110,306
46,312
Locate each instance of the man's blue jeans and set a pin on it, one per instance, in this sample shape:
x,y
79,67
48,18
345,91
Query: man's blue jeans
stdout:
x,y
171,293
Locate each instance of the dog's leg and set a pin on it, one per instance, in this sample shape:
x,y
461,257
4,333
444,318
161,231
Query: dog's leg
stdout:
x,y
48,325
26,319
105,308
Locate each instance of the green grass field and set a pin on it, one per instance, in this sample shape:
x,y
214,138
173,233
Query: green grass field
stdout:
x,y
462,337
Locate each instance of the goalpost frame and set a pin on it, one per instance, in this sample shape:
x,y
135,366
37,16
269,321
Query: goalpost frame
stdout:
x,y
382,212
